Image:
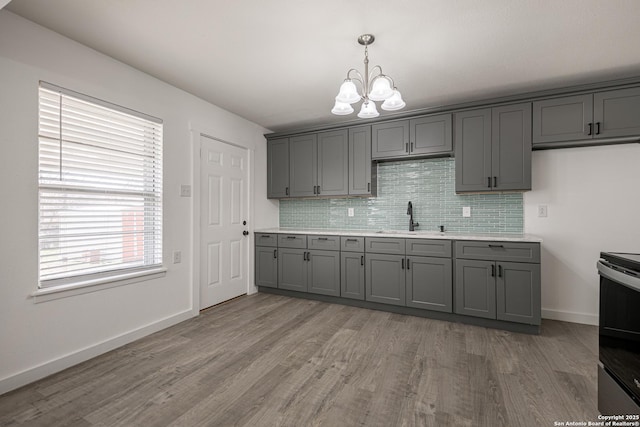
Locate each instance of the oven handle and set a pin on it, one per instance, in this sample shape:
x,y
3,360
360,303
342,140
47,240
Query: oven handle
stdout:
x,y
606,270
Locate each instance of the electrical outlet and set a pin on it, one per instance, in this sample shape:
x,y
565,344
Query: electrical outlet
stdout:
x,y
177,257
350,212
466,211
542,211
185,190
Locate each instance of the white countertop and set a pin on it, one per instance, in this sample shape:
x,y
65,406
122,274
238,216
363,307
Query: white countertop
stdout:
x,y
407,234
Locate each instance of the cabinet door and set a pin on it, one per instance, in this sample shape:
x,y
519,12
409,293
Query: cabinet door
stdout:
x,y
266,267
292,269
389,140
384,277
562,119
278,168
475,288
360,160
303,165
333,163
352,275
511,147
429,283
430,135
473,150
616,113
518,292
323,272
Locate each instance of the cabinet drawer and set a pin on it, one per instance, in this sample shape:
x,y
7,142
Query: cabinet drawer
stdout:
x,y
384,245
326,243
352,244
295,241
264,239
498,251
429,247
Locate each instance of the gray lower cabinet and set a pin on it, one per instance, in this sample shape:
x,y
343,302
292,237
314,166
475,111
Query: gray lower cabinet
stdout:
x,y
292,269
493,149
278,168
419,137
385,278
586,119
323,272
266,266
475,288
491,283
429,283
352,275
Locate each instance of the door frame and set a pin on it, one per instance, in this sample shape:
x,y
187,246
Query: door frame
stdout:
x,y
198,130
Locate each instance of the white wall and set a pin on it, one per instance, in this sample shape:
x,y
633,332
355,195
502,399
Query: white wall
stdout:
x,y
37,339
593,205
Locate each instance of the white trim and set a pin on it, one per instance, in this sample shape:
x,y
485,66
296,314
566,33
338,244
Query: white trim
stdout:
x,y
568,316
97,284
33,374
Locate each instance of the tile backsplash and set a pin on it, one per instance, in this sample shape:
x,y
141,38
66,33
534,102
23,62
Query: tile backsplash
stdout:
x,y
430,185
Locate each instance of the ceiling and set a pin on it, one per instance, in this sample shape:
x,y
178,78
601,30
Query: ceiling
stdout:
x,y
279,63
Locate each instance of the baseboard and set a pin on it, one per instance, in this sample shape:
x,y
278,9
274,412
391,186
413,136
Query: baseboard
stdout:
x,y
33,374
568,316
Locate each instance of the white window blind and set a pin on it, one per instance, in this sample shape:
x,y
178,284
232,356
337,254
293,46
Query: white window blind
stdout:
x,y
100,188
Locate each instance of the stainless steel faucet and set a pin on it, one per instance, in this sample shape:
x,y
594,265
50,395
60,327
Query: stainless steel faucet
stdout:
x,y
412,225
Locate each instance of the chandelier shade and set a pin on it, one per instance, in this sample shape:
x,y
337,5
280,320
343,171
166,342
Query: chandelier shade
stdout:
x,y
375,86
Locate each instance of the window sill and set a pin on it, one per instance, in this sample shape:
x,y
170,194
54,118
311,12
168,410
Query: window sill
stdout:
x,y
84,287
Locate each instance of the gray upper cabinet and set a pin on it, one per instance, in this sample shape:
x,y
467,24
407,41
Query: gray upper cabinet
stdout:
x,y
429,283
493,149
562,119
390,140
616,113
333,163
278,168
430,135
360,161
303,165
586,119
419,137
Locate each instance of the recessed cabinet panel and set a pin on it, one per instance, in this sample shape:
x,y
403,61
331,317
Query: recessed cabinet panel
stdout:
x,y
518,292
498,251
475,288
430,135
473,150
562,119
385,279
429,247
323,272
429,283
333,163
352,275
266,267
278,168
384,245
511,147
292,269
390,139
360,161
303,165
616,113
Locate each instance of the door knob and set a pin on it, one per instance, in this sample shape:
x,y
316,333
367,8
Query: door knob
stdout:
x,y
245,233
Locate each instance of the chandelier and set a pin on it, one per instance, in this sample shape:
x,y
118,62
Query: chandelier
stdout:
x,y
375,86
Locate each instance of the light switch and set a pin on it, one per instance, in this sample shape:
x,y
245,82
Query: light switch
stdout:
x,y
466,211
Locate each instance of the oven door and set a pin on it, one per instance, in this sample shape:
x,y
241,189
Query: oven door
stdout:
x,y
620,326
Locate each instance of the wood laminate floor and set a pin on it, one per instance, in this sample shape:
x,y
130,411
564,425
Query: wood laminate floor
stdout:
x,y
267,360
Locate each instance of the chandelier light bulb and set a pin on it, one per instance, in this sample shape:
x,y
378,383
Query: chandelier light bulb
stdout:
x,y
375,86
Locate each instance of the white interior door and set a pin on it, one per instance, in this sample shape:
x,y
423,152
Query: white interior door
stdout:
x,y
223,215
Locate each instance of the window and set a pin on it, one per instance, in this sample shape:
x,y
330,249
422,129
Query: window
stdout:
x,y
100,189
